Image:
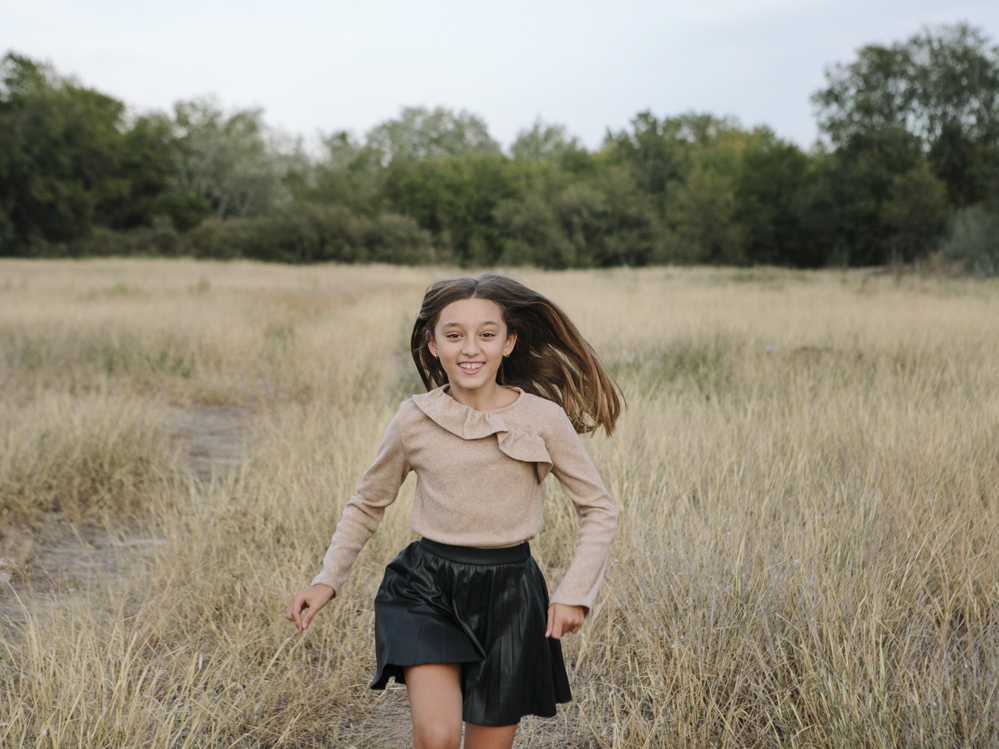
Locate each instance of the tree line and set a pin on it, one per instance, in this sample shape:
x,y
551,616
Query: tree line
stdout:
x,y
908,167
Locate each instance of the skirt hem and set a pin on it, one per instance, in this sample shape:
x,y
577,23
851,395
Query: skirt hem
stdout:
x,y
469,713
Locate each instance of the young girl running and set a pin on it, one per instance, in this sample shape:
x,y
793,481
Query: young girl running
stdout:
x,y
462,616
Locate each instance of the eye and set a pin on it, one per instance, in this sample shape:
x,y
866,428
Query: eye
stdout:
x,y
453,335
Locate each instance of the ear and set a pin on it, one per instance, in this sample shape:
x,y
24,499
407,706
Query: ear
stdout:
x,y
431,344
511,341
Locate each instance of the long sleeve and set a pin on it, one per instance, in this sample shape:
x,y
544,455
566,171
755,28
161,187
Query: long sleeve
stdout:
x,y
597,517
363,512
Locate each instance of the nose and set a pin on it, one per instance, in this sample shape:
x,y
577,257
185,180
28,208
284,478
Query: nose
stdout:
x,y
470,346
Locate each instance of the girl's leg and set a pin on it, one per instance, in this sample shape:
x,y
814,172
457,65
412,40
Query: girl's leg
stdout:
x,y
435,703
489,737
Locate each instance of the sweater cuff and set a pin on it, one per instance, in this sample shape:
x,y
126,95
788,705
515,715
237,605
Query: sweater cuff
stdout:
x,y
327,578
565,595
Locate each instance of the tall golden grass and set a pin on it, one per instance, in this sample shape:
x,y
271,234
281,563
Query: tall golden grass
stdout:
x,y
807,476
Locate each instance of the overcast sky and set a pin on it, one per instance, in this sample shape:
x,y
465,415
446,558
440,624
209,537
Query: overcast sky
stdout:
x,y
324,66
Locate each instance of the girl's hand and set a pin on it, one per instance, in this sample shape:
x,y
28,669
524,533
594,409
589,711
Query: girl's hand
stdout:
x,y
308,601
564,620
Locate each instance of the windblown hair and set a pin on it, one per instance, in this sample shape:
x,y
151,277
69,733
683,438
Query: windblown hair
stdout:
x,y
550,359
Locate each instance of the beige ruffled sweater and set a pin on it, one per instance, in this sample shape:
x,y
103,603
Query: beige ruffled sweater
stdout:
x,y
479,477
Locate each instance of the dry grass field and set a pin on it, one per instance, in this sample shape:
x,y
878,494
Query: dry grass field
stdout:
x,y
807,478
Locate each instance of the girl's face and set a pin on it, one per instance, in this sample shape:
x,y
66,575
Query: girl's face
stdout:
x,y
471,339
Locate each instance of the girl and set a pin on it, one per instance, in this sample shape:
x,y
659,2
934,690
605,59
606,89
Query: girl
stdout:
x,y
462,616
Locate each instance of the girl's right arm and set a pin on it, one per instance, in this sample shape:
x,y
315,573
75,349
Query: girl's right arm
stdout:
x,y
362,513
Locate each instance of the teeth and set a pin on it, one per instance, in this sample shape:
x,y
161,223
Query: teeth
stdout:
x,y
469,366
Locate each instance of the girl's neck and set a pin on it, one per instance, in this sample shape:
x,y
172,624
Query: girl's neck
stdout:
x,y
486,398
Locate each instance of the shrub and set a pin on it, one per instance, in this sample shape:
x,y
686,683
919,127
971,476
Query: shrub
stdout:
x,y
309,233
159,239
974,241
391,238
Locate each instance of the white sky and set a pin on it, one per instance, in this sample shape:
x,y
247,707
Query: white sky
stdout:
x,y
323,66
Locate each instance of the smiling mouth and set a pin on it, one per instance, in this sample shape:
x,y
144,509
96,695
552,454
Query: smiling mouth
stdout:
x,y
471,367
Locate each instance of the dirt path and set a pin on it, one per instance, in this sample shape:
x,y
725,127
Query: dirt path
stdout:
x,y
54,558
215,438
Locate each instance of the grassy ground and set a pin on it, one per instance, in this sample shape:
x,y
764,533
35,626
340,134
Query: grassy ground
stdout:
x,y
807,477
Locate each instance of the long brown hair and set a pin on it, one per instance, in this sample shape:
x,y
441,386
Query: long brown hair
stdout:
x,y
550,359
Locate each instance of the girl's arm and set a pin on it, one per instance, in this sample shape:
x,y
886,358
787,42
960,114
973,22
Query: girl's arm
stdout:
x,y
576,473
363,512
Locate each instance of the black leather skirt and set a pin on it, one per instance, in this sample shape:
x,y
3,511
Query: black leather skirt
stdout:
x,y
483,608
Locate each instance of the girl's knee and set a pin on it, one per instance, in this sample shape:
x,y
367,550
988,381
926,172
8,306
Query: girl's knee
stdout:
x,y
435,735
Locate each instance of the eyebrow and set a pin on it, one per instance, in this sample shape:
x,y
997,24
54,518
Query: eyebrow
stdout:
x,y
458,324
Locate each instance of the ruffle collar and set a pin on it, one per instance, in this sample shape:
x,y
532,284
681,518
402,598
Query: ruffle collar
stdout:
x,y
469,424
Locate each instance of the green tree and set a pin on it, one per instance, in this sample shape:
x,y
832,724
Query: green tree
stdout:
x,y
421,133
543,143
226,160
941,86
860,180
705,219
624,224
655,152
563,220
780,207
532,233
146,165
688,167
917,212
658,151
61,154
350,174
455,199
